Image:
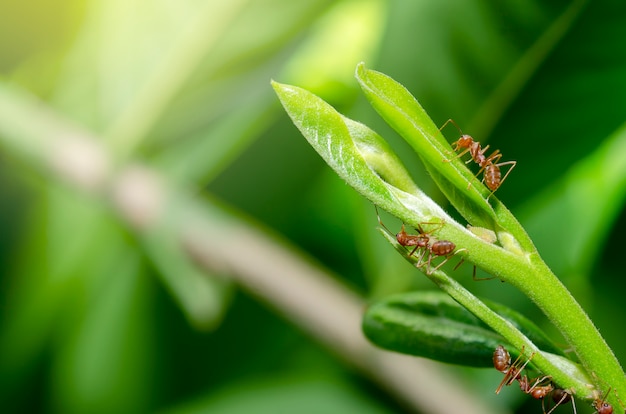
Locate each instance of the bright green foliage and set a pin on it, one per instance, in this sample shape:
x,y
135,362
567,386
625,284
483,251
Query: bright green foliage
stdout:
x,y
432,325
104,311
512,259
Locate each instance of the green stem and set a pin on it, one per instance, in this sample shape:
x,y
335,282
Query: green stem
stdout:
x,y
562,371
517,261
531,275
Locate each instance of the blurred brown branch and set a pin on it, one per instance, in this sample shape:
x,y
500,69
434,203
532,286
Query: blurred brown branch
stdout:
x,y
220,242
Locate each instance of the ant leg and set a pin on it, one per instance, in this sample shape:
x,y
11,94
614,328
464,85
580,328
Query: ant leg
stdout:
x,y
451,121
459,155
473,271
537,382
380,221
448,257
421,261
480,279
439,225
564,398
508,379
514,371
427,263
460,263
494,157
477,279
414,250
430,270
527,361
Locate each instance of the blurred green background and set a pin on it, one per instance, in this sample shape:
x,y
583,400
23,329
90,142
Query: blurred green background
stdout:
x,y
102,309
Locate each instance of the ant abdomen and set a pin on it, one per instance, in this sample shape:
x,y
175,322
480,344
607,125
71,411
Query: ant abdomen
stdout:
x,y
493,177
560,396
442,247
501,359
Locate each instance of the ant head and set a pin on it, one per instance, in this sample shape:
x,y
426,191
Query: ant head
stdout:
x,y
402,230
603,407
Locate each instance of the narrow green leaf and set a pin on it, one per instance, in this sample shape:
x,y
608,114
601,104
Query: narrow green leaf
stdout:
x,y
348,147
355,153
404,113
433,325
465,191
362,158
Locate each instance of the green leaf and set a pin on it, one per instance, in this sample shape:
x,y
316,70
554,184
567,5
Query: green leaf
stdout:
x,y
402,111
348,146
465,191
357,155
530,275
516,262
433,325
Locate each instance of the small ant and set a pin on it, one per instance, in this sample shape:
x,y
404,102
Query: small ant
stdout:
x,y
541,386
511,371
536,390
422,240
492,175
404,239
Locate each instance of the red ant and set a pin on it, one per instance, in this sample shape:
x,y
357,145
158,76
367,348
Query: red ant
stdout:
x,y
539,392
536,390
511,371
539,388
422,240
601,406
405,239
492,176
